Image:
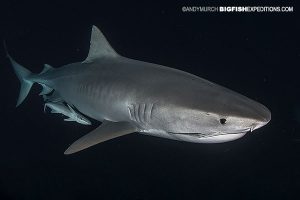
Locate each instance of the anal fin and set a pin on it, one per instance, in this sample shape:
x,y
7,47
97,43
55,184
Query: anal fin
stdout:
x,y
104,132
54,97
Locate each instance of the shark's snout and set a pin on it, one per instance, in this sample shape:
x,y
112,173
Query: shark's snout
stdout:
x,y
264,118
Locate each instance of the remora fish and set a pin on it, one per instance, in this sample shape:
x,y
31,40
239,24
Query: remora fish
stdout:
x,y
67,111
134,96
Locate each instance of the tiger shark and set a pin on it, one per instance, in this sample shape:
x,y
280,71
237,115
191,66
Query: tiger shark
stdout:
x,y
129,96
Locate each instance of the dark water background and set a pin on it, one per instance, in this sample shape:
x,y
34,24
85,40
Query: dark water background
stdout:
x,y
254,54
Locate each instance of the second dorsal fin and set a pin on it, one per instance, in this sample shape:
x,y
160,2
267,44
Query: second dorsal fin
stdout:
x,y
46,68
99,46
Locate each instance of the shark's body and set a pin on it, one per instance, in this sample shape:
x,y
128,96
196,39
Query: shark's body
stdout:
x,y
135,96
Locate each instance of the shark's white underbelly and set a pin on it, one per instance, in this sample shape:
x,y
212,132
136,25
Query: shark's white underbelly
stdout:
x,y
195,138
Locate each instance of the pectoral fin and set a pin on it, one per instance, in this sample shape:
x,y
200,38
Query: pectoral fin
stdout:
x,y
105,131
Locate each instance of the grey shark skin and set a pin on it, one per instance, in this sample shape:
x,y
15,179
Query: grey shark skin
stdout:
x,y
134,96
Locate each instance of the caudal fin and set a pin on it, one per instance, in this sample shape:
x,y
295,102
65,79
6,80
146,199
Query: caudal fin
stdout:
x,y
22,73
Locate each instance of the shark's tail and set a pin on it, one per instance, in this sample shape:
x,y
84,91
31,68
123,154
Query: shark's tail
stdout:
x,y
23,74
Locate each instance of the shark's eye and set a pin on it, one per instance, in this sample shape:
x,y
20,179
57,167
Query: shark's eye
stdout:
x,y
223,121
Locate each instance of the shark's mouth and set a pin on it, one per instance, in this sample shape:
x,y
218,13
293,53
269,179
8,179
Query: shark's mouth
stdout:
x,y
214,134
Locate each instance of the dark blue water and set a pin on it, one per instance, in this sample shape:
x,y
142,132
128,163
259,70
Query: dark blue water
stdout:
x,y
256,54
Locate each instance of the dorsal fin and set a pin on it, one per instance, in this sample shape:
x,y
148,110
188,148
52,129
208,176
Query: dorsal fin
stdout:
x,y
99,46
46,68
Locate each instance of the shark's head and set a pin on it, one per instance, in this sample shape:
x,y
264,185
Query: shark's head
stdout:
x,y
219,115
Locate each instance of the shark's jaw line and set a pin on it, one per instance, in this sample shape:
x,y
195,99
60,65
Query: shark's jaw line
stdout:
x,y
213,133
130,96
